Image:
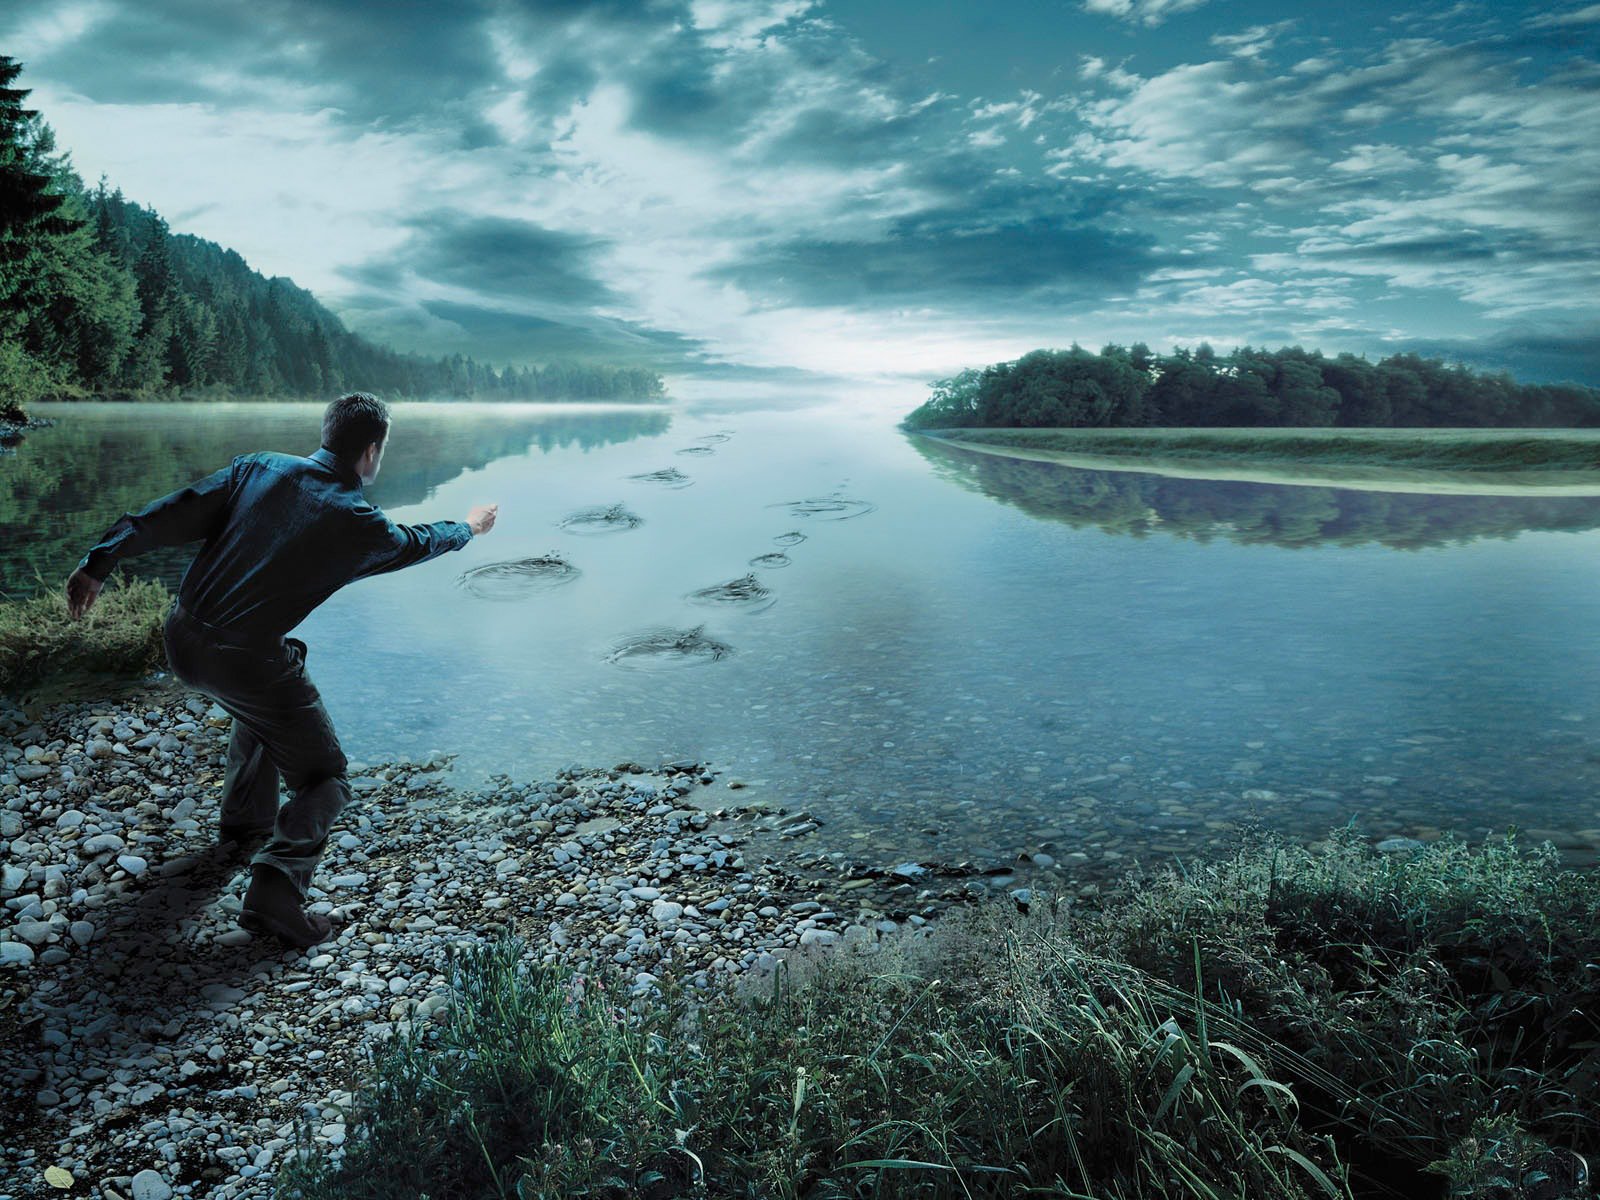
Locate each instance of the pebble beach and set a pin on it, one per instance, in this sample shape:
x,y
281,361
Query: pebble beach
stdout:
x,y
155,1049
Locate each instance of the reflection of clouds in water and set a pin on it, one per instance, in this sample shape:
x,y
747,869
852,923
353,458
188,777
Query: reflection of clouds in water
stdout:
x,y
1139,503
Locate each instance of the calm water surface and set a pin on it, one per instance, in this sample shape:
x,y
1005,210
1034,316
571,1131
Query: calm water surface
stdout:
x,y
963,656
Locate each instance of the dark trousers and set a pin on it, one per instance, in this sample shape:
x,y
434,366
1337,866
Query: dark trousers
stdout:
x,y
281,731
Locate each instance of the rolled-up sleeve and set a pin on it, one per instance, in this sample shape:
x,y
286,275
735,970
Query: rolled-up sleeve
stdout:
x,y
387,545
186,515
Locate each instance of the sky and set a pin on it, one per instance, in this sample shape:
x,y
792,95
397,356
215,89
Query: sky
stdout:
x,y
806,189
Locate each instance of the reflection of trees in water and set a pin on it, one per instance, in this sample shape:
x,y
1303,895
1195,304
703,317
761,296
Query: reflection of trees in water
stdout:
x,y
66,485
1292,515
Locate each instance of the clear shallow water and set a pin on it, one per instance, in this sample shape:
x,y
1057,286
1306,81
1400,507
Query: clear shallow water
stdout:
x,y
965,656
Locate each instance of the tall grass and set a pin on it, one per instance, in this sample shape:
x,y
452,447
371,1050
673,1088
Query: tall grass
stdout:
x,y
1282,1024
120,635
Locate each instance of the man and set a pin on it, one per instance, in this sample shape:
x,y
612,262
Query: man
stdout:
x,y
281,534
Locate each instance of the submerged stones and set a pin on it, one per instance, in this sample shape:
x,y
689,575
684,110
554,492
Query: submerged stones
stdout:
x,y
601,519
828,508
518,577
663,646
667,477
745,592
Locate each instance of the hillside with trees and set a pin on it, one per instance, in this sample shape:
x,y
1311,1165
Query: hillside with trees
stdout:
x,y
98,297
1290,386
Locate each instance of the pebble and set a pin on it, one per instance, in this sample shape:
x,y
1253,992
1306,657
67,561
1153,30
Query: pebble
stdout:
x,y
589,868
149,1185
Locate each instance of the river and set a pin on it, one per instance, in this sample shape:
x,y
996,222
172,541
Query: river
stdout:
x,y
961,656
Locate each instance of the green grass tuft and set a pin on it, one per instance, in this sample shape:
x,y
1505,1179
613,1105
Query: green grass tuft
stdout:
x,y
119,636
1286,1023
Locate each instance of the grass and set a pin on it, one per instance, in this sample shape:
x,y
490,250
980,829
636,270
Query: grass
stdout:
x,y
1443,449
1286,1023
119,636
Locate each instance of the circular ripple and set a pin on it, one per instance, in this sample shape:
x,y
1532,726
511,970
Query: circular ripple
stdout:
x,y
697,450
712,439
662,647
776,559
603,519
746,592
518,577
667,477
793,538
827,508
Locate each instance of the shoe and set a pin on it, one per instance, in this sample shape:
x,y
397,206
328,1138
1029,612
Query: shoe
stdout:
x,y
271,905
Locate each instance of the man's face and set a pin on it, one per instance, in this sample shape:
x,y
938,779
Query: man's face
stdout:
x,y
374,459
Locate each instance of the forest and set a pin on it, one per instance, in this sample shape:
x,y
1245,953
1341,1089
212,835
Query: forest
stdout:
x,y
1290,386
99,298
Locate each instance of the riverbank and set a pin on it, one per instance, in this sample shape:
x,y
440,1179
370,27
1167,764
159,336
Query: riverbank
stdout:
x,y
152,1034
534,988
1483,461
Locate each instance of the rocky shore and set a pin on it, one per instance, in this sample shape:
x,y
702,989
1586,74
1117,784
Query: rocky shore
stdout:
x,y
154,1049
12,430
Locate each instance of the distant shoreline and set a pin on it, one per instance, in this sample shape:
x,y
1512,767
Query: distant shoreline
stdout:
x,y
1466,461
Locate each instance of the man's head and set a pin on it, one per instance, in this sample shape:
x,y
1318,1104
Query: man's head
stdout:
x,y
356,428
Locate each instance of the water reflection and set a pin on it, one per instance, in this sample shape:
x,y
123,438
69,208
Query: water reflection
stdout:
x,y
1138,504
64,486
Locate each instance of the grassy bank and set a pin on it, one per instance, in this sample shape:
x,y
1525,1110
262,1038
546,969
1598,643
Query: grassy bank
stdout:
x,y
1489,450
119,636
1285,1023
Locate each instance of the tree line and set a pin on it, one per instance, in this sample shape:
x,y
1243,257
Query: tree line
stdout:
x,y
1130,385
99,297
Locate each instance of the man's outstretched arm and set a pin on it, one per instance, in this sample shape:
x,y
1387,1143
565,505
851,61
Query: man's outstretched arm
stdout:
x,y
186,515
389,546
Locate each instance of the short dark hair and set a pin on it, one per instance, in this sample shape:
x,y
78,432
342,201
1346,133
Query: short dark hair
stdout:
x,y
352,423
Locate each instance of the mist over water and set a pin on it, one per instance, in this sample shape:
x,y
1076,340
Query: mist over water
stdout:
x,y
965,655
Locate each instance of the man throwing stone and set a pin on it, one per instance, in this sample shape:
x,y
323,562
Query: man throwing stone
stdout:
x,y
281,535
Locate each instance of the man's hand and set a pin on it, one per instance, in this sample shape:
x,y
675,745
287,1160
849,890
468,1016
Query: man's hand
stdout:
x,y
481,519
82,588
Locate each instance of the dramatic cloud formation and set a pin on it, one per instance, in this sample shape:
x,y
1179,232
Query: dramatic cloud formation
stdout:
x,y
720,185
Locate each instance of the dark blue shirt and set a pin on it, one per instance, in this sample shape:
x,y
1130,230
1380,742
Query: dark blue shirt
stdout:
x,y
281,534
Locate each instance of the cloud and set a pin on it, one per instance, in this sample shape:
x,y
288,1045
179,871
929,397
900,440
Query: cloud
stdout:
x,y
1588,15
1143,12
1488,199
1567,353
949,259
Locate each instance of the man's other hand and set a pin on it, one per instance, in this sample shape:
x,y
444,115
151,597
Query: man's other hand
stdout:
x,y
82,588
481,519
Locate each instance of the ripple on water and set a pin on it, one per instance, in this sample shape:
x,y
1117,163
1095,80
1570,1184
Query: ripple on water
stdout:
x,y
667,476
746,592
776,559
518,577
828,508
601,519
663,647
697,450
712,439
793,538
